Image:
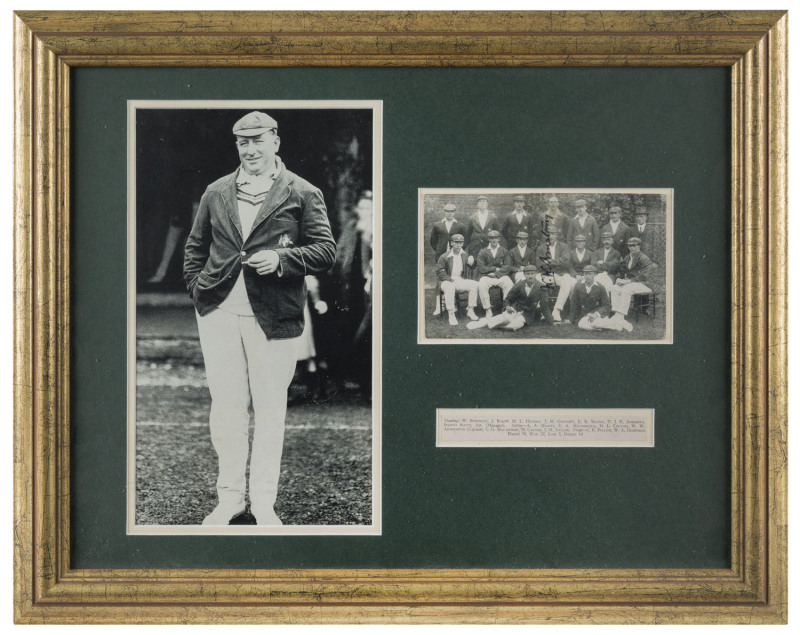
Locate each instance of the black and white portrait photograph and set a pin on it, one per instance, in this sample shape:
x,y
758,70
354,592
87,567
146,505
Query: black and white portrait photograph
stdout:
x,y
545,266
254,395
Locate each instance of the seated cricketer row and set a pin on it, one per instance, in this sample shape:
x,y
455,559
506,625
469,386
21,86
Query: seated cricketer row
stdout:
x,y
575,272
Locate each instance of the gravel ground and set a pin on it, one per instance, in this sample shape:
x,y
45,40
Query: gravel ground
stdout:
x,y
327,460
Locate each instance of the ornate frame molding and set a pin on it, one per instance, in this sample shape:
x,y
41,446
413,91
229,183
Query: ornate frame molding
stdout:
x,y
752,44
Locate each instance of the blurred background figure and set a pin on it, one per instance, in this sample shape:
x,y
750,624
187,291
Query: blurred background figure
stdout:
x,y
311,370
352,275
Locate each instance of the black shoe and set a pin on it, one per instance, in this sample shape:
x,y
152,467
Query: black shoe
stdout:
x,y
245,518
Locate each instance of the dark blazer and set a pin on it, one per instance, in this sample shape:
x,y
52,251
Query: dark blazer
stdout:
x,y
637,268
511,227
515,261
544,221
576,264
444,266
489,264
611,265
582,303
292,221
590,229
647,237
440,236
477,238
527,304
620,238
549,265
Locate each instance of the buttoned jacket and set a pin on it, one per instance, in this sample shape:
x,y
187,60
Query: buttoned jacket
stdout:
x,y
645,236
477,237
488,264
527,303
549,265
516,261
590,229
610,264
577,264
582,303
511,227
620,238
440,235
444,266
541,227
292,221
637,268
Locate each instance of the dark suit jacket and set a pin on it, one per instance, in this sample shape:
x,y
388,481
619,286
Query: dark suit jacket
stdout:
x,y
610,265
620,238
576,264
582,303
292,221
637,268
544,222
440,236
488,264
527,304
549,265
647,237
590,229
511,227
515,261
476,237
444,266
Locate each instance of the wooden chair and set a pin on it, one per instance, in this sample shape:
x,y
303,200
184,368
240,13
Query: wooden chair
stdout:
x,y
644,304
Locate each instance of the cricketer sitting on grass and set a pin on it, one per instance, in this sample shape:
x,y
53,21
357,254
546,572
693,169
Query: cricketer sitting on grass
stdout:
x,y
258,232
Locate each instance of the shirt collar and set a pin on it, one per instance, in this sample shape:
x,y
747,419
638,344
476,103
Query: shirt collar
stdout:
x,y
243,178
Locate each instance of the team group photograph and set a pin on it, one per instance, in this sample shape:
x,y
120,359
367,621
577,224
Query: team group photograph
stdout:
x,y
562,265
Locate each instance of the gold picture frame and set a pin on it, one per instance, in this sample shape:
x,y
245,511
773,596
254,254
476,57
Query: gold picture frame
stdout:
x,y
752,44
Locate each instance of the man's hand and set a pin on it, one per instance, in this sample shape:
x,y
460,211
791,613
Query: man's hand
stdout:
x,y
321,307
511,310
470,261
264,262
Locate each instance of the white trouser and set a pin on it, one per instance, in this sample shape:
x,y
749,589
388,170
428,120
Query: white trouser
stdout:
x,y
599,324
486,283
506,321
565,283
244,368
621,295
449,288
604,280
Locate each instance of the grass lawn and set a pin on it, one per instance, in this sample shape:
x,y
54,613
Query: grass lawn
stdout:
x,y
326,471
439,328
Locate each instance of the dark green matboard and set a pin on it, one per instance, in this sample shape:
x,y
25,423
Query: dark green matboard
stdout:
x,y
624,127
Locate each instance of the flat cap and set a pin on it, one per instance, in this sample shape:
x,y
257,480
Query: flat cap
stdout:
x,y
494,234
642,210
254,124
528,268
580,201
607,235
590,269
519,198
522,234
580,237
482,198
450,207
633,240
456,238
